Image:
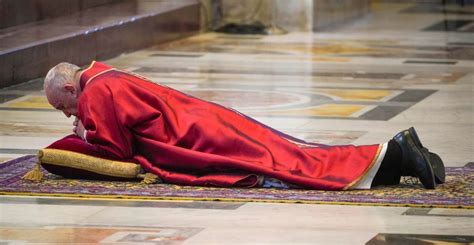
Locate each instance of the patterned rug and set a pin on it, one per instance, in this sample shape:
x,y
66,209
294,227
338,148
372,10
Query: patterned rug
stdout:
x,y
457,192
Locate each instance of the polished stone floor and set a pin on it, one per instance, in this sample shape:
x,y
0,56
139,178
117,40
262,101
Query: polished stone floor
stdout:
x,y
403,65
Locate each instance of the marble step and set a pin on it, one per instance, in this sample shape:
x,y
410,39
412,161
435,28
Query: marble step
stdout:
x,y
28,51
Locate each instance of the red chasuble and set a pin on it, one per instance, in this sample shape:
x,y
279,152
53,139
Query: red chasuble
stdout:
x,y
185,140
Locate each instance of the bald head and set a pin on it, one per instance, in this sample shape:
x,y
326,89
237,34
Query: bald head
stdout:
x,y
59,75
61,87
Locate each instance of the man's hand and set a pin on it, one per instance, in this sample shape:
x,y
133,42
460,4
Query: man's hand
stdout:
x,y
78,128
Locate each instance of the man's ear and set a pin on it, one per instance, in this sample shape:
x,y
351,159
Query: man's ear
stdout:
x,y
69,88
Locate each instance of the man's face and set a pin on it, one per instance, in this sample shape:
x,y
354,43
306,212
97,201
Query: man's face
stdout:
x,y
65,100
68,106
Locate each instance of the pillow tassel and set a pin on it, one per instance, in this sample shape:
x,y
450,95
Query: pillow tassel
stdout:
x,y
149,178
35,174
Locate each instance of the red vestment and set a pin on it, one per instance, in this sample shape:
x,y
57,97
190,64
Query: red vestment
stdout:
x,y
185,140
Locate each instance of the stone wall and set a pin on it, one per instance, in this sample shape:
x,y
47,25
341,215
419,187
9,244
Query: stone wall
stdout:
x,y
328,13
294,15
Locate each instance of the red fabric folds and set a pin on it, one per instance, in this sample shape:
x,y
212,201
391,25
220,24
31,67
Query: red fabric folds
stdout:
x,y
188,141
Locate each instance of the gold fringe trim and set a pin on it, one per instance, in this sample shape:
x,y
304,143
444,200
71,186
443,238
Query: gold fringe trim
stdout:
x,y
149,178
374,160
98,74
35,174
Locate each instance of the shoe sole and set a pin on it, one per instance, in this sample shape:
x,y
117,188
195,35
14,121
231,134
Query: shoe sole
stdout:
x,y
435,161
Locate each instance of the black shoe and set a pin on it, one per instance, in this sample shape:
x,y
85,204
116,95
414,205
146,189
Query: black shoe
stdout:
x,y
415,160
436,163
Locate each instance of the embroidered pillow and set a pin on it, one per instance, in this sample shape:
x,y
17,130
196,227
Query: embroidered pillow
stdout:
x,y
71,157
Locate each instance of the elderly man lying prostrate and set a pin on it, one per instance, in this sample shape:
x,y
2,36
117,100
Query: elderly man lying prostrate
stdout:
x,y
184,140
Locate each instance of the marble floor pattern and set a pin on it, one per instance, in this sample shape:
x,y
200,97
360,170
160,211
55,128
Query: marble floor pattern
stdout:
x,y
403,65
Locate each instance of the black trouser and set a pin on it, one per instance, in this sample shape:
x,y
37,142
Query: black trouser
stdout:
x,y
390,169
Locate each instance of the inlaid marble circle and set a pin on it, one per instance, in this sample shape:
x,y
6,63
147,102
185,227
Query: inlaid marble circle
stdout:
x,y
251,99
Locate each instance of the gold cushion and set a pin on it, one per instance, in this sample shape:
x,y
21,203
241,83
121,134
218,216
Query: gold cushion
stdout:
x,y
77,165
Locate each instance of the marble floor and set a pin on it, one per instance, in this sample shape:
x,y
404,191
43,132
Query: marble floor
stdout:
x,y
402,65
